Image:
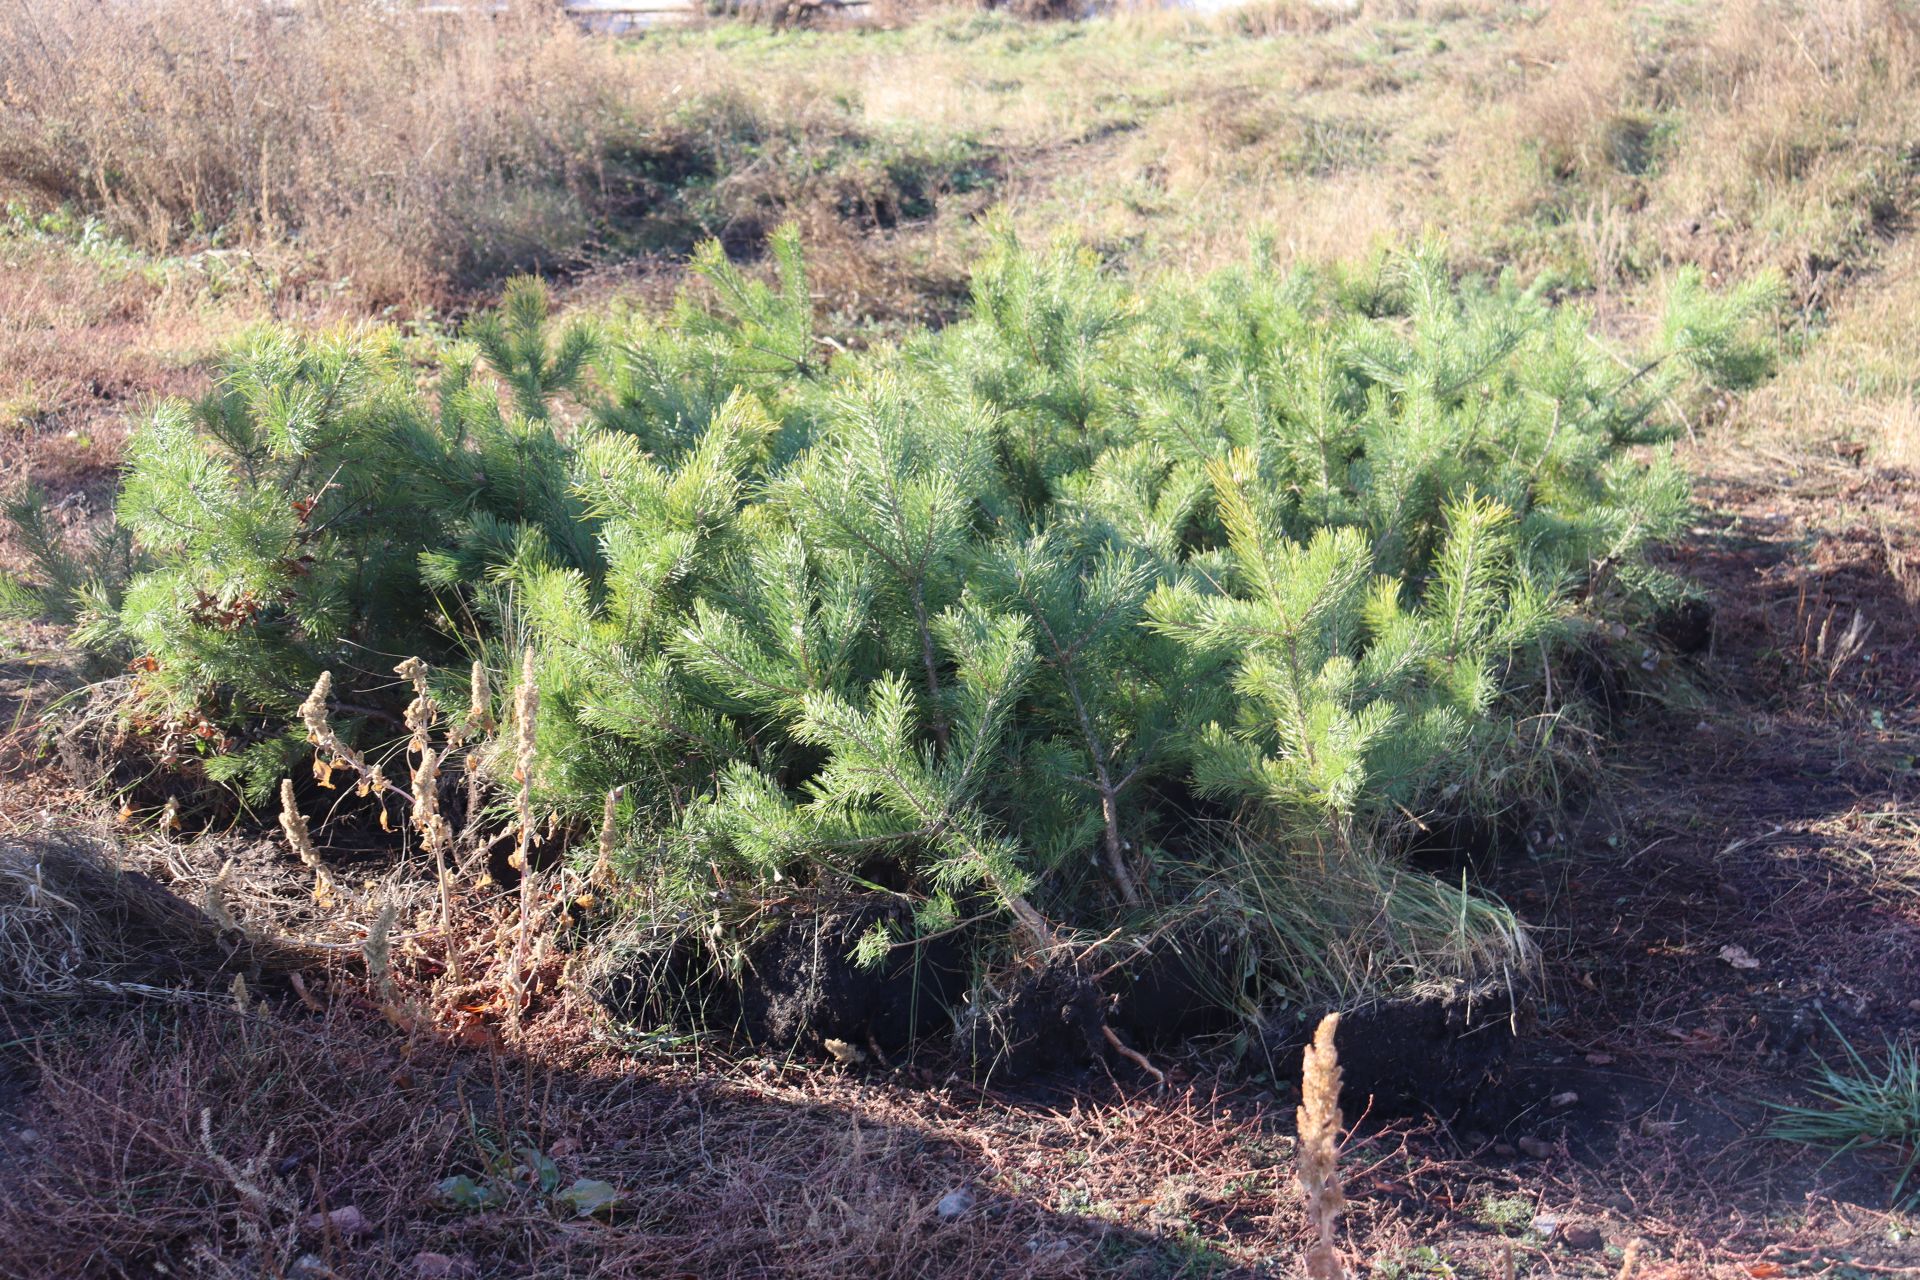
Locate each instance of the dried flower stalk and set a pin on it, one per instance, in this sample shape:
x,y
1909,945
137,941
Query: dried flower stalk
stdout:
x,y
423,710
526,713
436,833
336,754
294,823
1319,1157
602,873
478,722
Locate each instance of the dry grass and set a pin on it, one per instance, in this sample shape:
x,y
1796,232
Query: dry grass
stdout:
x,y
75,927
362,147
393,149
1856,384
210,1142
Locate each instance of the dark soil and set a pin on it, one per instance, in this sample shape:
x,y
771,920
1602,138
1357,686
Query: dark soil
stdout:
x,y
1438,1053
1042,1020
802,987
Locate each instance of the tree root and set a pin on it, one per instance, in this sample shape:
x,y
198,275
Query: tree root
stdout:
x,y
1133,1055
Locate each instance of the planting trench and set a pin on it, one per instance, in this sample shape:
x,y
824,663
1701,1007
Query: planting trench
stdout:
x,y
799,992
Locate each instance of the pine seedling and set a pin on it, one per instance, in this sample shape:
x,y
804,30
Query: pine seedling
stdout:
x,y
517,345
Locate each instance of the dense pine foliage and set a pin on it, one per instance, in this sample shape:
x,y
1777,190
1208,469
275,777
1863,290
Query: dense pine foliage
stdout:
x,y
1103,607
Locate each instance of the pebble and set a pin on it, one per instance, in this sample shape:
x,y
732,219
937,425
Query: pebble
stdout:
x,y
346,1222
1581,1235
954,1203
438,1266
1536,1148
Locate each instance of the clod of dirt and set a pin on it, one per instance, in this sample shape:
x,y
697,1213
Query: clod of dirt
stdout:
x,y
1465,844
1432,1051
345,1222
1182,985
798,988
1599,681
802,987
1044,1020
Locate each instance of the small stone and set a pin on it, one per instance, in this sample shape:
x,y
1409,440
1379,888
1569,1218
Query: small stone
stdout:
x,y
1566,1099
345,1222
439,1266
1581,1235
1536,1148
28,1137
1546,1226
954,1203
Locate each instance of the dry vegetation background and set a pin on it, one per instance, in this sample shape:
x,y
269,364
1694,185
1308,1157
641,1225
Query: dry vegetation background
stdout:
x,y
178,171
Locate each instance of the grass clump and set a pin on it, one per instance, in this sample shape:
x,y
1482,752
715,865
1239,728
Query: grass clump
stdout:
x,y
1862,1107
1099,609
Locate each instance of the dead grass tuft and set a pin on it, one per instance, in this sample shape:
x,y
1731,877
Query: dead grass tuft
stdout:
x,y
399,156
74,926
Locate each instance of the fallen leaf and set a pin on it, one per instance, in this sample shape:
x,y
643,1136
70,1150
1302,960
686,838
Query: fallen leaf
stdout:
x,y
463,1192
589,1196
1765,1270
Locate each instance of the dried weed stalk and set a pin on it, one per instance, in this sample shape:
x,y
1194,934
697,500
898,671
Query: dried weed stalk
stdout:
x,y
294,823
1319,1129
436,833
526,715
